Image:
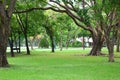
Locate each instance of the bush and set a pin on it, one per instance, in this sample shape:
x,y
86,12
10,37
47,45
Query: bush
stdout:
x,y
44,43
76,44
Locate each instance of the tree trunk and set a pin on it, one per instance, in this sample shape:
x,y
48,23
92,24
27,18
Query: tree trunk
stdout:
x,y
32,40
111,53
25,34
111,56
19,43
118,38
110,46
61,41
95,49
118,45
5,17
15,40
52,43
31,44
11,47
97,46
3,46
68,41
83,43
4,34
26,42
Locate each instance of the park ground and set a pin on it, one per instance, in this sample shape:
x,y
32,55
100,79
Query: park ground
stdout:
x,y
71,64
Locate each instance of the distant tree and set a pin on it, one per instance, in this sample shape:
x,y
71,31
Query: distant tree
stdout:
x,y
24,28
50,32
36,19
67,30
84,33
14,38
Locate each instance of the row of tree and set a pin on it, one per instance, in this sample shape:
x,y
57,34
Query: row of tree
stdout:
x,y
59,27
99,17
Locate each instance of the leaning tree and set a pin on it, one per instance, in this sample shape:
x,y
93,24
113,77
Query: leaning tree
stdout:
x,y
80,11
100,17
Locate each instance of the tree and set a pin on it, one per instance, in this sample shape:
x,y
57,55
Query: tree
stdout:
x,y
67,30
50,32
36,19
5,18
83,33
32,26
111,28
14,38
24,29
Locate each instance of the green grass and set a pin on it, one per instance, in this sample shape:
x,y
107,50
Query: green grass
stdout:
x,y
44,65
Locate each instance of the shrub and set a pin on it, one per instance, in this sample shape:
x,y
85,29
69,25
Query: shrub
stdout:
x,y
44,43
76,44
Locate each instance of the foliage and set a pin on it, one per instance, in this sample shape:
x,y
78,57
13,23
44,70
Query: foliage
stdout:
x,y
84,33
76,44
44,43
35,23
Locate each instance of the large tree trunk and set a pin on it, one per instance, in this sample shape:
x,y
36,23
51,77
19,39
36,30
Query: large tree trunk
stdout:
x,y
5,16
4,34
95,49
97,45
3,44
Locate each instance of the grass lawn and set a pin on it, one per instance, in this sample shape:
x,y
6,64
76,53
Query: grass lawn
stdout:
x,y
66,65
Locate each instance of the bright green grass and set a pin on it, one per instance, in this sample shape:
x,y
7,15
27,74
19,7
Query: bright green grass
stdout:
x,y
43,65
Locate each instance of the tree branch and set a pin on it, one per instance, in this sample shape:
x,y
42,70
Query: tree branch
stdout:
x,y
40,8
72,7
77,23
11,7
21,24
